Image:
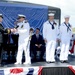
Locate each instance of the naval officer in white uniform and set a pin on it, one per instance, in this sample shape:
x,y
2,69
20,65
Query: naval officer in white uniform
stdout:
x,y
65,36
50,34
23,30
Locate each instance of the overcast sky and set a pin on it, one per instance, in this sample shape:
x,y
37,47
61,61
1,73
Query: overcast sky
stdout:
x,y
67,7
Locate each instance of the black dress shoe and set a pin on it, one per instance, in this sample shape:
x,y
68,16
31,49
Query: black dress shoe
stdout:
x,y
64,61
50,61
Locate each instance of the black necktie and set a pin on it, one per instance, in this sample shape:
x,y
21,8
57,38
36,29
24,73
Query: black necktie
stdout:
x,y
68,27
52,25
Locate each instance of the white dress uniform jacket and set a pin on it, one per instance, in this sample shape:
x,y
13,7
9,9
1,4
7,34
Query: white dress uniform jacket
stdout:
x,y
50,35
65,36
23,31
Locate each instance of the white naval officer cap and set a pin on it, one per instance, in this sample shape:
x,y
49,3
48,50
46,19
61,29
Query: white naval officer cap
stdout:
x,y
1,15
21,16
66,16
51,14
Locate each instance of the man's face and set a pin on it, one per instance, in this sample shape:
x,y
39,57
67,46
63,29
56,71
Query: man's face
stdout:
x,y
66,19
1,19
21,19
51,18
37,31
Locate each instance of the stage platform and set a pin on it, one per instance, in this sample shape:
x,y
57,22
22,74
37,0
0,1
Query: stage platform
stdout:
x,y
56,68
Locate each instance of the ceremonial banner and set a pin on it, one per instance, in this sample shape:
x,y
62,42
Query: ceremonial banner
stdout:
x,y
72,68
21,71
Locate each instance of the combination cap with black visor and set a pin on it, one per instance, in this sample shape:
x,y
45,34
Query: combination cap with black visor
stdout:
x,y
21,16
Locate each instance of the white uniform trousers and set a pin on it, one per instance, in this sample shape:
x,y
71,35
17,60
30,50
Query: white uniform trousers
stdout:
x,y
50,50
21,47
64,49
